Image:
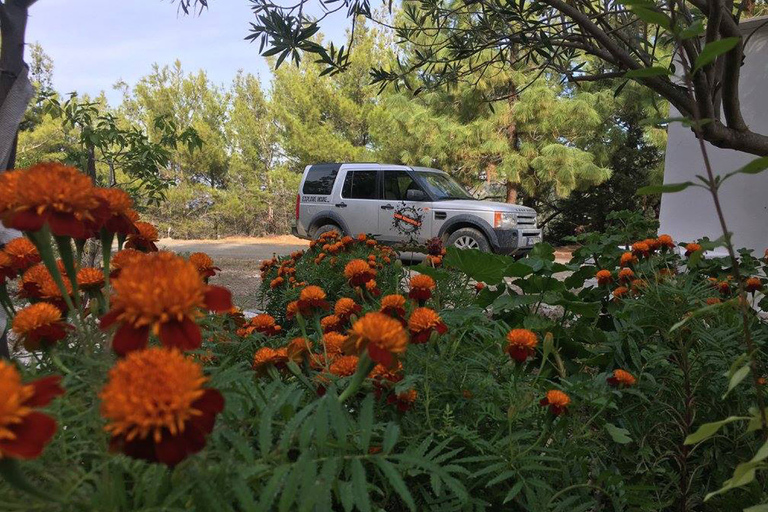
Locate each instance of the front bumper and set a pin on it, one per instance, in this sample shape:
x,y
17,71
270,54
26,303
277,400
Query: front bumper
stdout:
x,y
515,241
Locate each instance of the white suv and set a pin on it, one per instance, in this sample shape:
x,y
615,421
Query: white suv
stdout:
x,y
401,204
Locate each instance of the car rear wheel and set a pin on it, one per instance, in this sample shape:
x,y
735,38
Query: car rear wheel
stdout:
x,y
324,229
469,238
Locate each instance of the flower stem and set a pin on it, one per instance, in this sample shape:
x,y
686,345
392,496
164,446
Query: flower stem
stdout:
x,y
364,367
106,254
64,243
11,473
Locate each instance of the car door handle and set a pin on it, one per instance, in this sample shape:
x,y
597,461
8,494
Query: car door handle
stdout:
x,y
387,207
340,205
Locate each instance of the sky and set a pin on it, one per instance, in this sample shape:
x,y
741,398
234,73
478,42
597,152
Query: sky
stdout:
x,y
95,43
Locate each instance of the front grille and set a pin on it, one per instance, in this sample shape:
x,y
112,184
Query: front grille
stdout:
x,y
527,220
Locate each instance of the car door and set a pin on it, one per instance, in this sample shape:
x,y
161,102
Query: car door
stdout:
x,y
405,210
358,203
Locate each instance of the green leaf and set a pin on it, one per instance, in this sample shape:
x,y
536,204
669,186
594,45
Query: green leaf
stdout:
x,y
707,430
652,17
736,378
390,437
713,50
756,166
360,486
366,422
396,481
618,434
667,188
742,475
647,72
757,508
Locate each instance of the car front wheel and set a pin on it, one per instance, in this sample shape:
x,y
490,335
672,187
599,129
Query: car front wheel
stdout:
x,y
469,238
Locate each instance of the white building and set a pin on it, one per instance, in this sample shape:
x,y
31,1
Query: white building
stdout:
x,y
690,214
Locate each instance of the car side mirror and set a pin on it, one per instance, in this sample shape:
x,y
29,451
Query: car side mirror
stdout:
x,y
414,194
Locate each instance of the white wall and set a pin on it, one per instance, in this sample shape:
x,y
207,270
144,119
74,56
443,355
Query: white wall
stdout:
x,y
690,214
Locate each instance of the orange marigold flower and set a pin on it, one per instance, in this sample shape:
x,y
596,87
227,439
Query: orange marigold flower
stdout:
x,y
164,294
39,325
24,432
121,214
626,275
345,308
361,237
312,297
157,407
393,305
423,322
620,292
753,284
621,378
638,285
204,264
711,301
556,400
58,195
479,287
762,381
521,344
665,242
358,272
291,309
122,259
344,366
6,267
652,243
604,277
641,249
421,286
264,324
627,259
90,279
23,253
381,373
276,282
334,343
724,287
320,257
266,357
403,401
692,248
297,349
144,239
346,240
331,323
373,288
38,283
383,337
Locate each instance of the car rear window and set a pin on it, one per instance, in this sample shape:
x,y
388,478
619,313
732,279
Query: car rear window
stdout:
x,y
359,185
320,179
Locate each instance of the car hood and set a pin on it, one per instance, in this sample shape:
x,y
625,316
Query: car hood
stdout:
x,y
477,205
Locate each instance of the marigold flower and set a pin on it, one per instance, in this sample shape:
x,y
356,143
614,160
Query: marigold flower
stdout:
x,y
24,432
641,249
556,400
692,248
23,253
403,401
479,287
6,267
627,259
421,286
373,288
393,305
266,357
291,309
724,287
204,264
383,337
144,238
164,294
521,344
39,325
276,282
604,277
620,292
344,366
665,242
157,407
626,275
621,378
122,259
297,349
90,279
762,381
38,283
263,323
334,343
423,322
711,301
358,272
652,243
381,373
312,297
331,323
753,284
58,195
345,308
121,215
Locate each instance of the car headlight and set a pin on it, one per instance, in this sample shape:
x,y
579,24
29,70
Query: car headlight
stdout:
x,y
504,220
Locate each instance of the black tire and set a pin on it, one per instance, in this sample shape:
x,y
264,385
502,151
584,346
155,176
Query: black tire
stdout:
x,y
324,229
468,238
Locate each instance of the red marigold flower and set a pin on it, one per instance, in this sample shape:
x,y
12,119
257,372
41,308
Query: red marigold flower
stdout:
x,y
521,344
479,287
6,267
345,308
331,323
344,366
266,357
421,286
55,194
393,305
403,401
39,325
23,253
423,322
122,259
164,294
604,277
692,248
297,349
627,259
621,378
435,261
312,297
204,264
358,272
334,343
157,407
641,249
24,432
626,275
144,239
753,284
665,242
620,292
557,401
383,337
90,279
435,246
120,206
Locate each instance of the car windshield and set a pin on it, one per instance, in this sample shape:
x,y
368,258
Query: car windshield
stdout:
x,y
442,186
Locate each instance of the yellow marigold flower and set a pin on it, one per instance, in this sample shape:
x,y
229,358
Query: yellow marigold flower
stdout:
x,y
556,400
157,407
90,279
345,308
421,286
266,357
344,366
121,214
24,432
358,272
521,344
627,259
334,343
144,239
665,242
23,253
423,322
621,378
604,277
204,264
122,259
39,325
164,294
383,337
692,248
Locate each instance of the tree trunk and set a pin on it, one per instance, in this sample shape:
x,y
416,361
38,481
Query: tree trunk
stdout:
x,y
112,176
91,164
512,192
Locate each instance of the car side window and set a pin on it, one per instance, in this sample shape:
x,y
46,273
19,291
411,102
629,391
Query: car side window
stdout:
x,y
396,184
359,185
